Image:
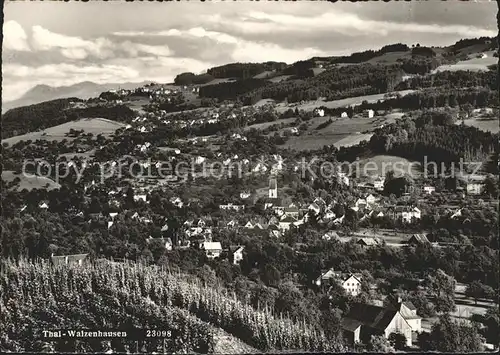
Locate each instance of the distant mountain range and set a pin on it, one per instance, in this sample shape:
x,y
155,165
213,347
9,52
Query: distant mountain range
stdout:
x,y
83,90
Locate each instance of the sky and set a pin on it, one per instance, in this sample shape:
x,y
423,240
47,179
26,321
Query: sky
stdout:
x,y
58,43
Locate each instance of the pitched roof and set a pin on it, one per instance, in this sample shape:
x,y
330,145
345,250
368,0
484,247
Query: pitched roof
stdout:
x,y
288,220
234,248
419,238
212,246
371,316
350,324
367,241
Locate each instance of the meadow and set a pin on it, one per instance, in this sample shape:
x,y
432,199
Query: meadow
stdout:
x,y
473,64
30,182
351,101
58,133
379,165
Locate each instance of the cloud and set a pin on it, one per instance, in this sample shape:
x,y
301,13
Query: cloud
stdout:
x,y
20,78
14,37
134,49
70,46
61,49
229,46
345,23
77,48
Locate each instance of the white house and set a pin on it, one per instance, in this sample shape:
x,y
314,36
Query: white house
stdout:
x,y
429,189
140,198
475,188
370,199
43,205
212,249
314,208
343,115
408,311
342,178
369,113
319,112
244,195
378,183
199,160
351,284
259,168
329,214
406,213
339,220
237,254
360,203
285,223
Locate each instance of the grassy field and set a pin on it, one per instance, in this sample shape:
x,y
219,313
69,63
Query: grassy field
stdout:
x,y
30,182
341,132
280,78
264,75
137,103
490,125
351,101
89,125
473,64
389,58
317,71
264,125
313,142
379,165
263,102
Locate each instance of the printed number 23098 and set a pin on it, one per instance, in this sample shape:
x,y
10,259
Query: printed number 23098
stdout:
x,y
153,333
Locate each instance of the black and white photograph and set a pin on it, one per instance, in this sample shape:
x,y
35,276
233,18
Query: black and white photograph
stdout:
x,y
249,177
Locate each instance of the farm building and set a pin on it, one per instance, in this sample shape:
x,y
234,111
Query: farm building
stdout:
x,y
212,249
364,320
418,239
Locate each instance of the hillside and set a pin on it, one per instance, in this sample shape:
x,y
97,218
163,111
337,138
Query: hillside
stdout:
x,y
23,120
119,295
83,90
29,182
94,126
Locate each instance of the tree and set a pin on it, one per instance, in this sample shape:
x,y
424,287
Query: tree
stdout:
x,y
379,343
452,336
491,186
492,321
474,290
442,288
330,321
397,341
272,275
